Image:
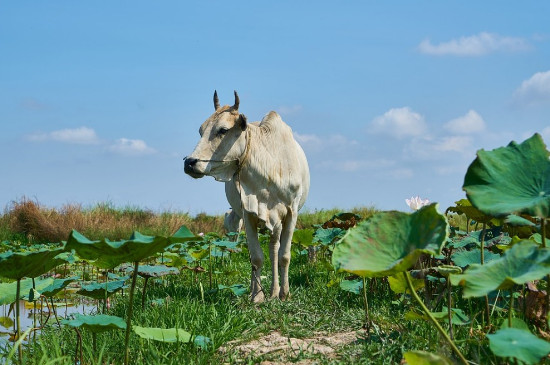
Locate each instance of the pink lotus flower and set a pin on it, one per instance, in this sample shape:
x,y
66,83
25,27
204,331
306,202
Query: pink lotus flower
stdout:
x,y
416,202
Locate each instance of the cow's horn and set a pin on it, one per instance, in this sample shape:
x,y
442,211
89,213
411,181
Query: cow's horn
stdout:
x,y
216,100
237,101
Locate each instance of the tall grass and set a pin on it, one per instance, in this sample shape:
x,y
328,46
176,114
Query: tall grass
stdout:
x,y
28,220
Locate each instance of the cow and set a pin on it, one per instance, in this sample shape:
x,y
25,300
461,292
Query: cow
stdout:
x,y
266,177
232,222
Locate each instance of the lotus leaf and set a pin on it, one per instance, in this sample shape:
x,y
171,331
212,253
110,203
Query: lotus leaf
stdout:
x,y
399,285
447,270
519,344
465,258
328,236
237,289
511,179
516,220
28,264
226,244
6,322
99,290
183,234
524,262
7,290
390,242
464,206
109,254
458,317
57,286
353,286
162,334
425,358
150,271
97,323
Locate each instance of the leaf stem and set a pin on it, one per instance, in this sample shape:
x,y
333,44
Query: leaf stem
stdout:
x,y
130,311
17,310
366,303
449,308
434,321
510,309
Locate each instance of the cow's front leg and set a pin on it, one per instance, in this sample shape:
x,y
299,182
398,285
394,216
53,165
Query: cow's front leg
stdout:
x,y
284,252
274,245
257,294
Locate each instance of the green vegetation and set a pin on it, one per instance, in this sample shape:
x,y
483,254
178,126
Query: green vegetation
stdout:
x,y
366,286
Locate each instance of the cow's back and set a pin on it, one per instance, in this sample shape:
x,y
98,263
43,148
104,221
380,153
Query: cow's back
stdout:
x,y
275,176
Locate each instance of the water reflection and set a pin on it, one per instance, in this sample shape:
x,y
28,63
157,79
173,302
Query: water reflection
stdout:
x,y
43,315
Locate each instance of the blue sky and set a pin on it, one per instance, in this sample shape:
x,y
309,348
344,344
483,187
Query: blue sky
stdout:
x,y
100,101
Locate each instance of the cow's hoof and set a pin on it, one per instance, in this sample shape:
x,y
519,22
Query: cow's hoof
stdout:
x,y
284,296
258,297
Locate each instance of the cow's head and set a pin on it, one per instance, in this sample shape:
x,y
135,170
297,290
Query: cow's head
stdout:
x,y
223,143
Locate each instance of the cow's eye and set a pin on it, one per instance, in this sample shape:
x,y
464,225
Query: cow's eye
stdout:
x,y
222,131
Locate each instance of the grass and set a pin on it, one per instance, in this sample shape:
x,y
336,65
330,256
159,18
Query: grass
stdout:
x,y
29,221
314,310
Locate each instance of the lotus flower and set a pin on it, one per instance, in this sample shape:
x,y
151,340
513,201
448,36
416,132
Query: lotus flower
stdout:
x,y
416,202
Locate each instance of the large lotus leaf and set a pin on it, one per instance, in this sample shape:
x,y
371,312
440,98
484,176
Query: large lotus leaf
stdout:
x,y
8,290
17,265
390,242
97,323
518,343
57,286
511,179
109,254
99,290
524,262
425,358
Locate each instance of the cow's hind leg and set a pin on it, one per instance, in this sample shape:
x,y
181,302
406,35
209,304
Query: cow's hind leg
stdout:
x,y
256,258
274,245
284,252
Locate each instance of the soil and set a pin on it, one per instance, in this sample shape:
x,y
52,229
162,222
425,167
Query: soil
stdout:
x,y
280,348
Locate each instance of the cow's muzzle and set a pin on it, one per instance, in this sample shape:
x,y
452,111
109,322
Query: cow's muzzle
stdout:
x,y
189,167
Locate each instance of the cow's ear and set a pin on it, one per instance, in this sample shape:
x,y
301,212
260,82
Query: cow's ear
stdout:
x,y
242,121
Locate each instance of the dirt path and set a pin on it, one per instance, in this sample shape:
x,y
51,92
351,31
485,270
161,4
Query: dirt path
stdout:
x,y
278,349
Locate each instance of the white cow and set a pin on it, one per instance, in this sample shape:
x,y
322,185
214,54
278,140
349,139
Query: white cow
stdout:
x,y
266,179
232,222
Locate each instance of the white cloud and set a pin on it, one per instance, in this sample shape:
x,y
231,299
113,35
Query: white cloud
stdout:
x,y
131,147
289,110
82,135
472,122
476,45
307,139
356,165
399,123
460,144
535,90
432,149
315,143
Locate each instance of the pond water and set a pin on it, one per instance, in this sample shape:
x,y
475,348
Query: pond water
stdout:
x,y
44,315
